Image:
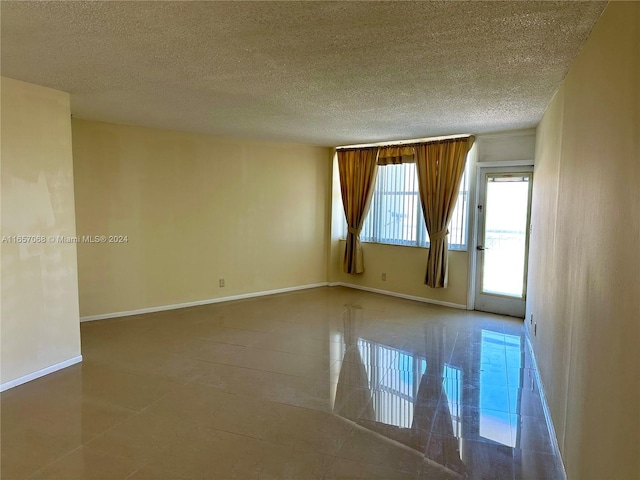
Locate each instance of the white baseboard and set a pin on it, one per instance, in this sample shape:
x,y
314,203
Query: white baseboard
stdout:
x,y
40,373
399,295
545,407
197,303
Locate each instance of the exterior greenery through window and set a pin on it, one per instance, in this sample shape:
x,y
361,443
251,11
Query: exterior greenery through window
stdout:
x,y
395,215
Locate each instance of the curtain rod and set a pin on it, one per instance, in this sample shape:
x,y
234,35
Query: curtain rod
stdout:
x,y
401,143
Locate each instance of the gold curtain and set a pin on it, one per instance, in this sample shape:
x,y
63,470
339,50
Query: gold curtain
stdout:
x,y
394,154
440,166
357,169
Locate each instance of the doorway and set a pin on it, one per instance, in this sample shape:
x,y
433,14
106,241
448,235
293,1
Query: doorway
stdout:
x,y
503,219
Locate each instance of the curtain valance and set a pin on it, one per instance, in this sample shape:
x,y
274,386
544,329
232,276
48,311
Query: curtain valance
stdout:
x,y
394,154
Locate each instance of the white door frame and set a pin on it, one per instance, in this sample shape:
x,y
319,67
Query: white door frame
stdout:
x,y
474,183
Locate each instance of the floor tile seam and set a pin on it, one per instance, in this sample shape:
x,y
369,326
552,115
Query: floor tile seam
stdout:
x,y
420,356
194,380
256,369
240,395
433,464
390,362
299,406
346,437
136,471
244,330
43,434
284,351
475,406
70,452
128,370
198,380
119,422
520,386
433,422
455,341
41,469
254,347
537,452
93,401
132,412
293,448
477,438
330,463
533,450
173,380
149,462
289,322
207,341
516,402
238,434
112,427
352,422
387,371
294,336
370,387
396,443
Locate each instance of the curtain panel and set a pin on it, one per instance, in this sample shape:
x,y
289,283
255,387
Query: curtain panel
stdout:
x,y
440,166
357,168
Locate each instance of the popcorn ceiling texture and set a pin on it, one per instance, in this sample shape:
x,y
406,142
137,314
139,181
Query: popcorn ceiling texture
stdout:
x,y
324,73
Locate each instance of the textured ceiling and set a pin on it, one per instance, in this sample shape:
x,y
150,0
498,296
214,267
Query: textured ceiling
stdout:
x,y
325,73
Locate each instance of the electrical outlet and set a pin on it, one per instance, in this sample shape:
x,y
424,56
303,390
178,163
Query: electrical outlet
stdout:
x,y
221,282
384,277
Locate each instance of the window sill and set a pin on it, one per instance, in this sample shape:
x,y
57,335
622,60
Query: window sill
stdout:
x,y
406,246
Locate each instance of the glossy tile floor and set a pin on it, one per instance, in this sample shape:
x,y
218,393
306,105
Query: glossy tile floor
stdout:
x,y
325,383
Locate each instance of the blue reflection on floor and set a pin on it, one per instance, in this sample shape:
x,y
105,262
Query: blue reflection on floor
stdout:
x,y
496,348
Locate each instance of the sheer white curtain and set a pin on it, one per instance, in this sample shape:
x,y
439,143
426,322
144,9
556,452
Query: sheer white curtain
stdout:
x,y
395,216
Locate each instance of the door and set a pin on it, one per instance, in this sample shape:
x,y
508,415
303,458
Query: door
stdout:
x,y
504,205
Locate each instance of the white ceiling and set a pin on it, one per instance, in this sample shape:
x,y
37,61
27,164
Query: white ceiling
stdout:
x,y
324,73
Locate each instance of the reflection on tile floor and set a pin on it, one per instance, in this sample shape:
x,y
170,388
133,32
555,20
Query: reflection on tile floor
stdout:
x,y
326,383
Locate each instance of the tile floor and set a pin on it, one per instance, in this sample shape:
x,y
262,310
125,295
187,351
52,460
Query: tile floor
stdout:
x,y
328,383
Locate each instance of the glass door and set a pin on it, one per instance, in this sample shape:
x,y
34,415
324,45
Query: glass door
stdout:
x,y
503,240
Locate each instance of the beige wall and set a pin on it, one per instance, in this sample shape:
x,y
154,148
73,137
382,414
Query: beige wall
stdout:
x,y
195,209
405,269
584,277
39,312
514,145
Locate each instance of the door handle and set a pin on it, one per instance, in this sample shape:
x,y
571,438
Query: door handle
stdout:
x,y
481,248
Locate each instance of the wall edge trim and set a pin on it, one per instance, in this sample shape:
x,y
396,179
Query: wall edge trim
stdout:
x,y
518,132
196,303
40,373
459,306
523,162
545,407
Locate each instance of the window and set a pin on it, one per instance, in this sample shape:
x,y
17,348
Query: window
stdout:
x,y
395,215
